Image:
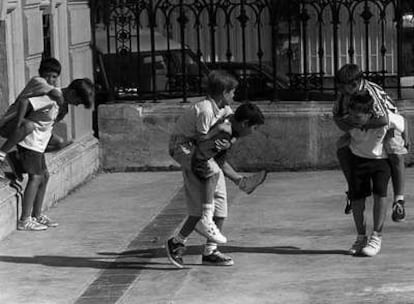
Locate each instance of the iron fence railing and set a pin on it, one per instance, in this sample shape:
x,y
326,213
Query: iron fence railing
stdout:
x,y
152,49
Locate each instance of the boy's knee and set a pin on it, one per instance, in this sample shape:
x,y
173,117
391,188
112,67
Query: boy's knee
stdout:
x,y
46,176
396,159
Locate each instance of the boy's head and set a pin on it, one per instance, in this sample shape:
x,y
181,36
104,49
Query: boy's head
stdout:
x,y
349,78
360,107
50,69
246,119
221,87
80,91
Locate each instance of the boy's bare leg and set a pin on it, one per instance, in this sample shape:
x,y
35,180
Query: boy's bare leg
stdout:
x,y
397,166
30,194
380,212
397,174
344,156
17,136
358,210
38,202
209,188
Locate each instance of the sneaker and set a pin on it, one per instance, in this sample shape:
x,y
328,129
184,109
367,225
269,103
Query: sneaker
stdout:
x,y
15,166
360,242
30,224
348,206
216,258
175,252
47,221
373,246
209,230
398,211
250,183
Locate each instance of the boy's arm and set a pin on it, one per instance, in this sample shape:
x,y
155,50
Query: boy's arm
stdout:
x,y
230,173
377,122
57,96
23,108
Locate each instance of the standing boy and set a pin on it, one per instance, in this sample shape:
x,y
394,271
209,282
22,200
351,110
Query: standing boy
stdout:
x,y
351,82
43,112
368,166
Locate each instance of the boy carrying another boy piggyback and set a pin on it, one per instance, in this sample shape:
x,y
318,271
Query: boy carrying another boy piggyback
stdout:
x,y
198,152
14,125
370,171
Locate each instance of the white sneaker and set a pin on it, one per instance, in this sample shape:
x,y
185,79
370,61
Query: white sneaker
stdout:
x,y
30,224
208,229
373,246
360,242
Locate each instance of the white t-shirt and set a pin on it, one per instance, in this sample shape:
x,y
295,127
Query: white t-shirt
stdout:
x,y
45,111
198,119
370,143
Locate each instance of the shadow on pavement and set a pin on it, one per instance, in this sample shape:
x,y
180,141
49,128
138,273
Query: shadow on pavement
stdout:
x,y
80,262
195,250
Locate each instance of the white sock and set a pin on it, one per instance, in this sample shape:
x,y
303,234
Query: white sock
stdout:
x,y
208,211
209,247
2,155
179,239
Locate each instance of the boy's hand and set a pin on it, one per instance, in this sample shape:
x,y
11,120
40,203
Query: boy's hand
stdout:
x,y
57,96
222,144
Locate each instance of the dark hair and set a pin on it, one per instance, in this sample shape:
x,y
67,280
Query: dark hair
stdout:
x,y
220,81
50,65
83,88
348,73
361,102
250,112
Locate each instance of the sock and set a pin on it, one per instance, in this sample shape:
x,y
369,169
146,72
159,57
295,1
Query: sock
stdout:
x,y
179,239
398,198
209,247
208,211
2,156
376,233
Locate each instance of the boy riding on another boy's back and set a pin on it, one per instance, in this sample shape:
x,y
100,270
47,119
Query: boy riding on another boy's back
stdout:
x,y
14,125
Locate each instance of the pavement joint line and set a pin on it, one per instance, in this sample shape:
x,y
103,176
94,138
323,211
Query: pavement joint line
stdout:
x,y
142,248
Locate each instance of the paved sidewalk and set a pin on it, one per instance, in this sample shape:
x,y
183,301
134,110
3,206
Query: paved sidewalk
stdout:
x,y
288,240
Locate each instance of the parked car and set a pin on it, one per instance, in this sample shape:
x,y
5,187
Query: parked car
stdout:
x,y
254,80
127,71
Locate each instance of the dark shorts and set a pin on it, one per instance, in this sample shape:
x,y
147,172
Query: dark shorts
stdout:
x,y
369,176
32,162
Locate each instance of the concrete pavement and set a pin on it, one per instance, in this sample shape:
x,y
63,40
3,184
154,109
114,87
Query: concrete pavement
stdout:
x,y
288,240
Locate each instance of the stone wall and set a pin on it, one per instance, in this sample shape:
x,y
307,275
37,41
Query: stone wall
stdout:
x,y
296,136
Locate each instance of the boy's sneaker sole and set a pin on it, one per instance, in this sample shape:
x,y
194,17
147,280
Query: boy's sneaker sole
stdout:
x,y
216,258
398,211
176,261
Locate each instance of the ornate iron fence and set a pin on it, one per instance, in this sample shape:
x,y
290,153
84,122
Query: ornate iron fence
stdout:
x,y
151,49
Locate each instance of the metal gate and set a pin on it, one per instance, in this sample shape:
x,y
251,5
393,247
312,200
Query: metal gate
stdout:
x,y
157,49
